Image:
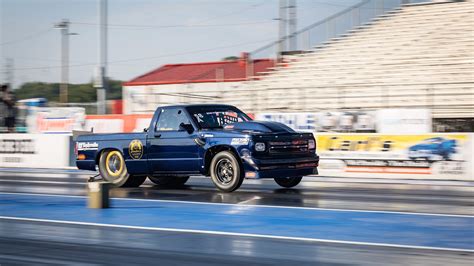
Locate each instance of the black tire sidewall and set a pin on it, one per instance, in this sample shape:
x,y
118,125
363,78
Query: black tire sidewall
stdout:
x,y
288,182
169,180
238,173
135,181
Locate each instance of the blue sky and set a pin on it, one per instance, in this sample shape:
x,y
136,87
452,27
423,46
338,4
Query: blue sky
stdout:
x,y
138,40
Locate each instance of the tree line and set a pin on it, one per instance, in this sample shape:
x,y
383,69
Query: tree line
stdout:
x,y
77,93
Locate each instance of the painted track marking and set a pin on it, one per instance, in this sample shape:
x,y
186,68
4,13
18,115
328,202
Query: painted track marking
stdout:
x,y
237,234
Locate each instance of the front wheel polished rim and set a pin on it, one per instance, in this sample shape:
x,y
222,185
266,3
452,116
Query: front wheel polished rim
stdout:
x,y
224,171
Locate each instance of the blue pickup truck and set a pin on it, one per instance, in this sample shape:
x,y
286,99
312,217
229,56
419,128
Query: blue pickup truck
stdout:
x,y
219,141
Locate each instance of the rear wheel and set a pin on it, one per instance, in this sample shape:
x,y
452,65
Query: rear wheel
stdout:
x,y
226,172
288,181
169,180
113,169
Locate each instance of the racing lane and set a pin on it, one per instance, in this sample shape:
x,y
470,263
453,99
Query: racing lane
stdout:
x,y
37,242
46,244
318,192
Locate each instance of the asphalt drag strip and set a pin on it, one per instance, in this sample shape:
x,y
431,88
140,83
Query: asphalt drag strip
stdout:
x,y
386,229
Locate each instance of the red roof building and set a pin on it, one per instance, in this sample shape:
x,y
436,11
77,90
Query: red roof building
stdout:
x,y
192,83
221,71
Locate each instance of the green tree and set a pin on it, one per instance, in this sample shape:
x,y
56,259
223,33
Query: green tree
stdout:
x,y
78,93
231,58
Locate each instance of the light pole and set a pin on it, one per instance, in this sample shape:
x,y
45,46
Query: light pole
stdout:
x,y
63,25
282,31
292,25
101,76
9,72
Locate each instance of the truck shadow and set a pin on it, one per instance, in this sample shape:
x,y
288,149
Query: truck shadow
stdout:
x,y
208,194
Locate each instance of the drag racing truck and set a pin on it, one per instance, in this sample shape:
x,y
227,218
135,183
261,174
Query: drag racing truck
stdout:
x,y
219,141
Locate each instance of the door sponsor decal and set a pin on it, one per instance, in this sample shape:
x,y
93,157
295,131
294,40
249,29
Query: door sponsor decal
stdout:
x,y
135,149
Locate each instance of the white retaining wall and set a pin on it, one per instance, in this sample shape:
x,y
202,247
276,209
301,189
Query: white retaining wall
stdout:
x,y
342,155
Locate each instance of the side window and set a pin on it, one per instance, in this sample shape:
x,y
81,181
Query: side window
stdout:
x,y
170,119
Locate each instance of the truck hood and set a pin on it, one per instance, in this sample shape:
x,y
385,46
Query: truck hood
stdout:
x,y
258,127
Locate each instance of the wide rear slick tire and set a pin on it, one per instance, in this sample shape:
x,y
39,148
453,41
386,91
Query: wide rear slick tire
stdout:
x,y
169,181
288,182
226,171
112,168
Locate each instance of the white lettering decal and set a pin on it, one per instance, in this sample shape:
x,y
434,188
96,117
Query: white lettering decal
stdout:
x,y
239,141
87,146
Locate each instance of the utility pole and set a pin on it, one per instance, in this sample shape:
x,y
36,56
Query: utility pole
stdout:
x,y
9,72
282,33
292,24
101,75
63,25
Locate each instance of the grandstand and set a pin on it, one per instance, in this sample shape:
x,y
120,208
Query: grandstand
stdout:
x,y
417,56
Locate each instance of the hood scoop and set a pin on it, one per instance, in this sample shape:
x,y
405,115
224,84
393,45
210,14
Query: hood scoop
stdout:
x,y
260,127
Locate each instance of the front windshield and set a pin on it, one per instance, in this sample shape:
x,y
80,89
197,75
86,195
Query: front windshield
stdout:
x,y
209,117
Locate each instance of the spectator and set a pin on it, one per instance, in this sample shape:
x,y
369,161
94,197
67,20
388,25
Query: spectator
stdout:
x,y
8,100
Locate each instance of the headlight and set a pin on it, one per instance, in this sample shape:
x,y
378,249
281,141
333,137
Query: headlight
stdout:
x,y
311,144
259,146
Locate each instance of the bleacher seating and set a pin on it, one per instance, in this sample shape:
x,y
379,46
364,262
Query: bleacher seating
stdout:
x,y
417,56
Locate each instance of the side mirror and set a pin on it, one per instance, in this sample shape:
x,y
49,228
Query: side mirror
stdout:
x,y
187,127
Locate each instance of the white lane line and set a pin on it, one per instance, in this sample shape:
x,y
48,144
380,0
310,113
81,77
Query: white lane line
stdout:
x,y
387,180
42,182
253,205
41,176
25,171
235,234
37,260
244,202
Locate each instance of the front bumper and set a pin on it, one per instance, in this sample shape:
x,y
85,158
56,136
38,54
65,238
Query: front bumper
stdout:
x,y
86,165
281,167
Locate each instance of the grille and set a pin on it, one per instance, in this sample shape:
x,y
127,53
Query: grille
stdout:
x,y
288,147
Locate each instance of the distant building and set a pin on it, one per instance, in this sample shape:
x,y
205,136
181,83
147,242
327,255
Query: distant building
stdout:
x,y
208,82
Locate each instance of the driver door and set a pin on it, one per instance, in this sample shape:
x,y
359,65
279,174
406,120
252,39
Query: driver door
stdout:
x,y
171,148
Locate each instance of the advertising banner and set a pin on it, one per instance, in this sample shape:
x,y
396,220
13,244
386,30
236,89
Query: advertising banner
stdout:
x,y
430,155
35,150
55,119
117,123
325,121
404,121
99,125
346,121
297,121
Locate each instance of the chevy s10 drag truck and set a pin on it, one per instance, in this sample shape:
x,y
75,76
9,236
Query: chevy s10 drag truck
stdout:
x,y
219,141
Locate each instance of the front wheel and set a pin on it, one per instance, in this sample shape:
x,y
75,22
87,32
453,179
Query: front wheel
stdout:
x,y
226,172
113,169
288,181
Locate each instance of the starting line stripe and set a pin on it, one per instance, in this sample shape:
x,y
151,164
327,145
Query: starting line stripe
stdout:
x,y
317,240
